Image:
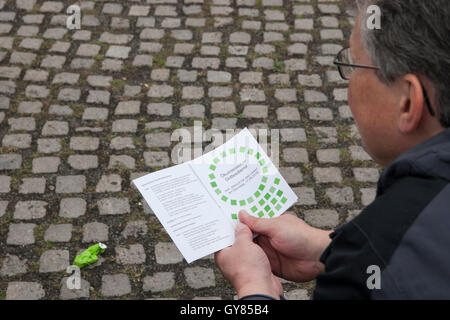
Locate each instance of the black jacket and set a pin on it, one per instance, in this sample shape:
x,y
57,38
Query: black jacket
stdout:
x,y
405,233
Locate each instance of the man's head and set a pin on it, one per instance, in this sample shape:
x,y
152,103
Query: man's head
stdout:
x,y
412,52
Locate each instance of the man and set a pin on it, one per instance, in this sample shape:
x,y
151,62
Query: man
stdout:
x,y
398,96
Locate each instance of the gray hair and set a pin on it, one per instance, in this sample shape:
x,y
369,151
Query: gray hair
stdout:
x,y
414,38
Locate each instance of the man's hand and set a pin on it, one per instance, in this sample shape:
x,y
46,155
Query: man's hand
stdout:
x,y
292,246
246,267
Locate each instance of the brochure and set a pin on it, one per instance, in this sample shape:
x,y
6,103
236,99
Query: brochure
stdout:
x,y
198,201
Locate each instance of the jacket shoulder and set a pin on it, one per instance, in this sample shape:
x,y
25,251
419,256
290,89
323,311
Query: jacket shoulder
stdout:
x,y
371,238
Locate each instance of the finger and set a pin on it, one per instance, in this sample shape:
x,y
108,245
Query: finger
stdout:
x,y
242,233
259,225
221,256
270,252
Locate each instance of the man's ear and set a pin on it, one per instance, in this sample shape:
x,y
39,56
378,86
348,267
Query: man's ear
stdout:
x,y
412,104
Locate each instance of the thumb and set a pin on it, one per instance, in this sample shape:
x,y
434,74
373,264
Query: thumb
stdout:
x,y
242,233
259,225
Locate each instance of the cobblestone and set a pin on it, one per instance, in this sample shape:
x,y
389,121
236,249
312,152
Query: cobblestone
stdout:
x,y
115,285
160,281
95,232
133,255
22,290
53,261
13,265
198,277
84,112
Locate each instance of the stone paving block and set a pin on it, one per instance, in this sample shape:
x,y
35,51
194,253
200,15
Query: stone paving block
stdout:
x,y
340,195
158,139
72,207
161,109
59,233
29,107
21,141
326,175
295,155
366,174
120,143
192,111
32,185
358,153
95,232
95,114
88,50
167,253
118,52
198,277
156,159
135,229
160,281
20,234
256,111
292,134
9,87
70,184
306,196
3,207
5,182
84,143
113,206
326,134
115,285
322,218
315,96
48,145
10,161
13,265
98,97
160,91
135,254
55,128
31,209
72,294
109,183
288,114
368,195
24,290
57,62
328,156
99,81
25,4
223,107
124,161
26,124
291,174
53,261
83,162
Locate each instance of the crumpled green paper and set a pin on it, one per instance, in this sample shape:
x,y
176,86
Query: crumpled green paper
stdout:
x,y
89,256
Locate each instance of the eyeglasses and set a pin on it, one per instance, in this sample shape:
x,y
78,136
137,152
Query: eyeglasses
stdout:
x,y
345,65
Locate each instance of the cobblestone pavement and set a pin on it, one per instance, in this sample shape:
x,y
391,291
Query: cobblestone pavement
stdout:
x,y
83,112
